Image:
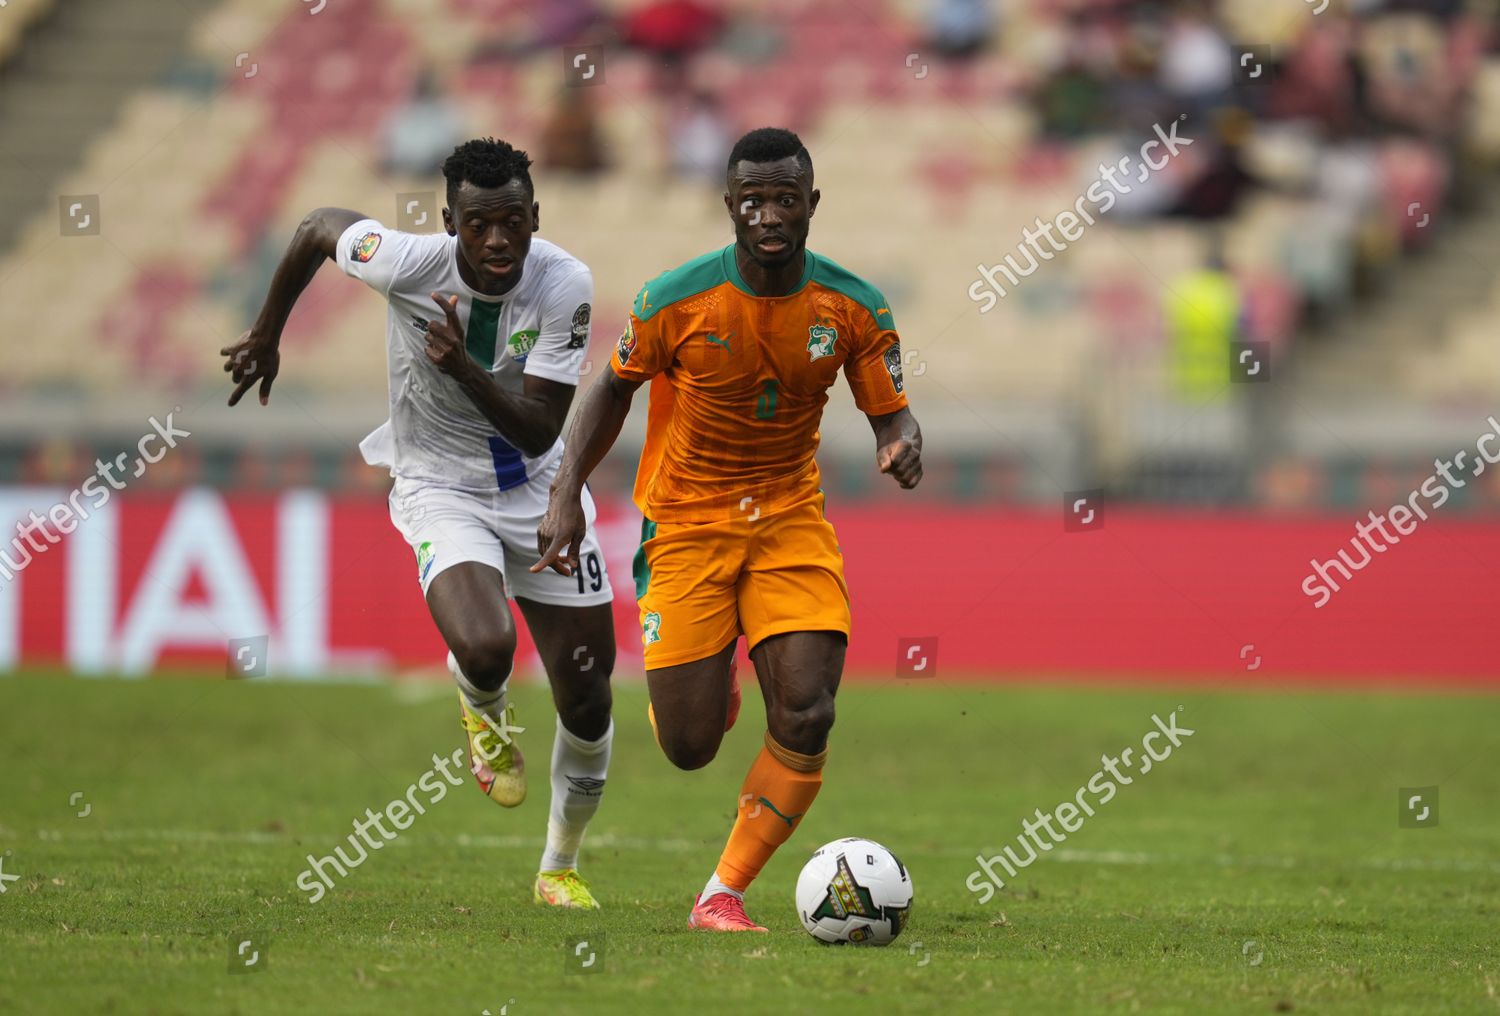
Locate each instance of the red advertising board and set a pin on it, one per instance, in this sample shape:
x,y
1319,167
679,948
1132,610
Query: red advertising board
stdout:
x,y
149,582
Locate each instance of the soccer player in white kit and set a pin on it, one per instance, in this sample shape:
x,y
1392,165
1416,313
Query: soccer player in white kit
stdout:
x,y
485,335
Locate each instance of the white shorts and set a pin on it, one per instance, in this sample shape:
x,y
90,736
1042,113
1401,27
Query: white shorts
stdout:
x,y
445,527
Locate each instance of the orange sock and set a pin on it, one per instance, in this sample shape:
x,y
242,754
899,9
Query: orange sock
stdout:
x,y
777,792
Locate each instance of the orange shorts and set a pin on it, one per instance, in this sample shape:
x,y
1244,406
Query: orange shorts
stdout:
x,y
702,585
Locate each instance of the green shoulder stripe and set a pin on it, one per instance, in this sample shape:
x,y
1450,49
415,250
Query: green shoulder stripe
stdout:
x,y
832,275
696,276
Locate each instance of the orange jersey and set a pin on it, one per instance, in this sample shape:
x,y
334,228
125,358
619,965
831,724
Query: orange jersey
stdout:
x,y
739,382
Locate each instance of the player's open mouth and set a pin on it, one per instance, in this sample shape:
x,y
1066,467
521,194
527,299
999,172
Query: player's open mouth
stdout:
x,y
772,244
499,266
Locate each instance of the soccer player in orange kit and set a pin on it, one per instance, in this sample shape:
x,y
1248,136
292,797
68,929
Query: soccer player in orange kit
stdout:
x,y
741,346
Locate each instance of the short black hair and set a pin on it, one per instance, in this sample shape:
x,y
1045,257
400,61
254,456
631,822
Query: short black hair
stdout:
x,y
768,144
486,162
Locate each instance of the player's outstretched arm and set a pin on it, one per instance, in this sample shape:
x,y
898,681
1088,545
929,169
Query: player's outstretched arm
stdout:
x,y
600,417
898,446
256,355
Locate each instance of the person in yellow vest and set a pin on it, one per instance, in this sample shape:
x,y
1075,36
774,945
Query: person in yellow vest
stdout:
x,y
1204,314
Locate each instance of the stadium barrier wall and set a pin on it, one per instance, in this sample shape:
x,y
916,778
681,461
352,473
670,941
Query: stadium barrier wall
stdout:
x,y
159,581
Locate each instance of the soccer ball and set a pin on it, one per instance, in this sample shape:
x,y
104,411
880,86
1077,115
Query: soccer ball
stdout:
x,y
854,890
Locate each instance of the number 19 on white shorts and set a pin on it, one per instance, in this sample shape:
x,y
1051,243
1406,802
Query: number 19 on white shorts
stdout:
x,y
445,526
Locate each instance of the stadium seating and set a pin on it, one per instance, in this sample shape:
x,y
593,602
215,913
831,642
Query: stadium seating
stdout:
x,y
923,177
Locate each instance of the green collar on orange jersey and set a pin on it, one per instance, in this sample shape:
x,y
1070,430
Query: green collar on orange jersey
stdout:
x,y
732,271
706,271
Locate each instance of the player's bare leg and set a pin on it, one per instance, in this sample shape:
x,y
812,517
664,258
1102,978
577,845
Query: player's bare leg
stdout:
x,y
577,647
467,602
799,675
690,707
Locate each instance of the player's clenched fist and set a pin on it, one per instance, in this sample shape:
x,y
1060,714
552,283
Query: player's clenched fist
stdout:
x,y
560,534
903,460
445,339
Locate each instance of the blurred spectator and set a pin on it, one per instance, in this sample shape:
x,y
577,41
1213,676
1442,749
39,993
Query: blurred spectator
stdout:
x,y
1150,193
1222,181
571,140
672,31
1136,93
960,28
354,474
1290,484
182,468
749,38
1073,102
1414,176
672,28
420,134
524,29
1196,69
562,21
1408,82
1346,205
57,461
298,468
1317,79
253,469
1076,96
700,140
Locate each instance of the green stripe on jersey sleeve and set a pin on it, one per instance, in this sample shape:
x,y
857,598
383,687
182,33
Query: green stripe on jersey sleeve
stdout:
x,y
834,276
696,276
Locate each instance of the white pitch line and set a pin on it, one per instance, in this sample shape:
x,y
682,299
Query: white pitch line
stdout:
x,y
677,845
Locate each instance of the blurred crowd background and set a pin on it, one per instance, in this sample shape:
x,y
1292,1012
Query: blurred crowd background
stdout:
x,y
1333,208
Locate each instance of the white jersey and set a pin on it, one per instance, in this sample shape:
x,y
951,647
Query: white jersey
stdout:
x,y
435,434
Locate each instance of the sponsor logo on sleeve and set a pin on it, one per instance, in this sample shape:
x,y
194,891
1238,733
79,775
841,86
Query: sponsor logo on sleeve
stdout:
x,y
521,343
893,364
627,343
365,247
580,334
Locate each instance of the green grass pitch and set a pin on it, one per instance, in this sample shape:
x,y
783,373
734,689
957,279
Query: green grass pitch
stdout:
x,y
1259,869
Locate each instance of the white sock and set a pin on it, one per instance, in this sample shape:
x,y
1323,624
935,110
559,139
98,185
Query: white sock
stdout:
x,y
485,703
579,768
715,886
